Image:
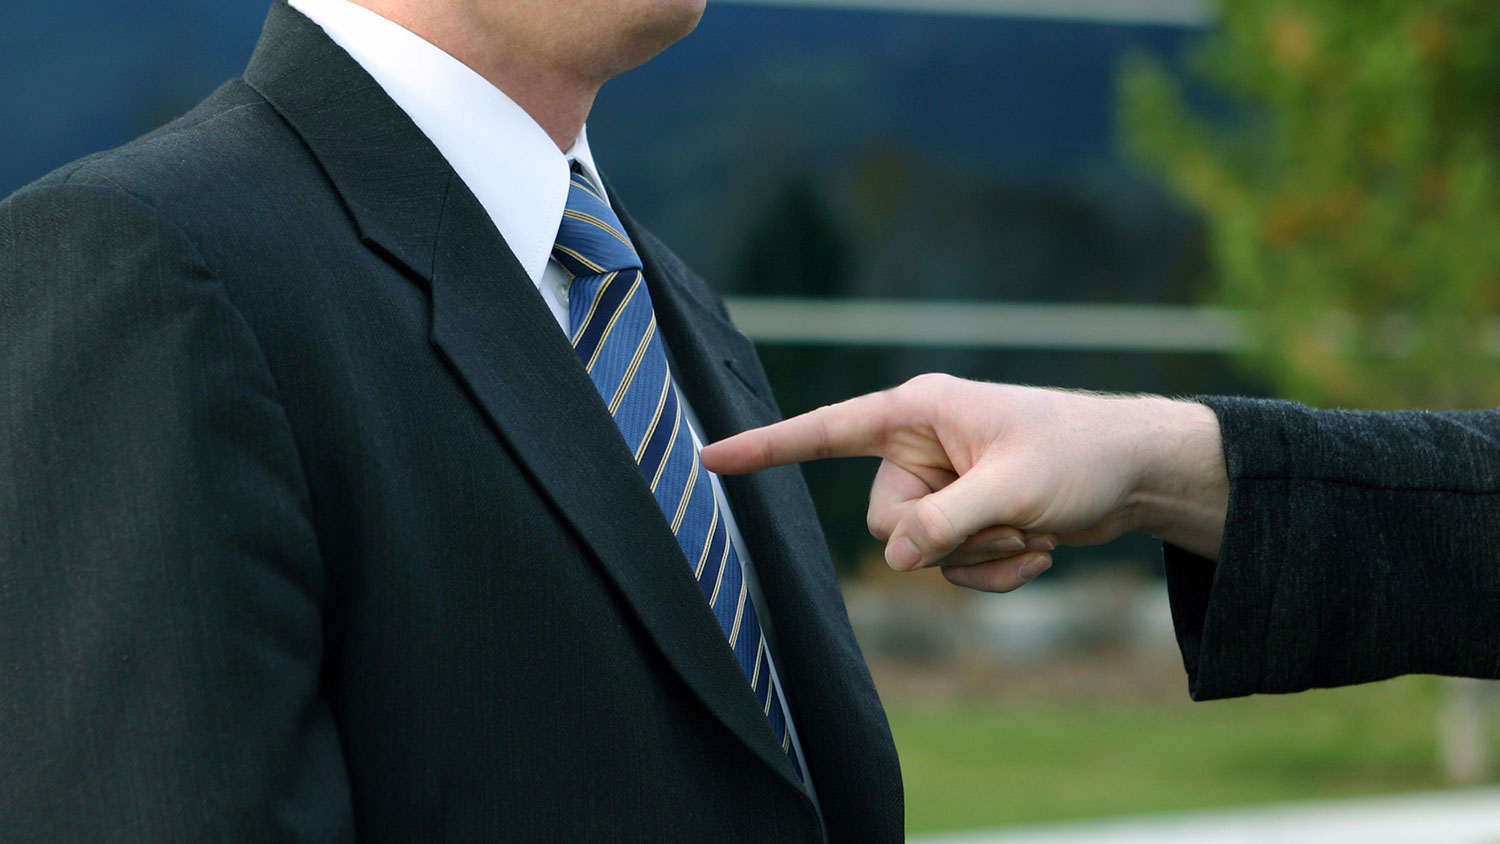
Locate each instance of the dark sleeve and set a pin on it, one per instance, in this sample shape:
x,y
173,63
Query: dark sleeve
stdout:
x,y
1358,546
159,577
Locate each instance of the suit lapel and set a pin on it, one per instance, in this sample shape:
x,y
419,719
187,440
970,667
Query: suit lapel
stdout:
x,y
492,327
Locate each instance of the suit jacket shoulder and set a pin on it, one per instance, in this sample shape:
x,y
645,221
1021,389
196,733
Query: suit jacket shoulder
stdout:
x,y
161,581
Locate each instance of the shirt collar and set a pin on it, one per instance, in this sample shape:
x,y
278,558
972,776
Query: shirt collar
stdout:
x,y
505,158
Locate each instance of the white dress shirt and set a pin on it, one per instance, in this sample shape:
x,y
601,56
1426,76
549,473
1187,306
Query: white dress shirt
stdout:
x,y
508,162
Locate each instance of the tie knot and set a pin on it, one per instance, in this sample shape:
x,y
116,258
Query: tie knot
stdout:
x,y
590,240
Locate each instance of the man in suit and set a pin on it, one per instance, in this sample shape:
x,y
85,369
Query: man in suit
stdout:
x,y
1304,548
327,511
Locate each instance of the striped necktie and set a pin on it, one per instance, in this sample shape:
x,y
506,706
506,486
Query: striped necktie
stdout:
x,y
614,334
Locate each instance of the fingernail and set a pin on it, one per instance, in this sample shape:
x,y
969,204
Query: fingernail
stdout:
x,y
901,554
1032,568
1042,543
1007,545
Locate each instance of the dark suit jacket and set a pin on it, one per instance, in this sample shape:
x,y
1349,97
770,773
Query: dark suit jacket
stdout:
x,y
1359,546
312,527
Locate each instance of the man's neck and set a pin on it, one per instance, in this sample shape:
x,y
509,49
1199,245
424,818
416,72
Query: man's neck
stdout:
x,y
558,107
556,98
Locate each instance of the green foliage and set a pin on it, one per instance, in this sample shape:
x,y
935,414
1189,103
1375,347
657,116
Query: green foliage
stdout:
x,y
1352,202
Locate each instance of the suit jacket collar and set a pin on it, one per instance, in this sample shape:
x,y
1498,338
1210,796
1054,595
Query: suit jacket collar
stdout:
x,y
468,119
491,325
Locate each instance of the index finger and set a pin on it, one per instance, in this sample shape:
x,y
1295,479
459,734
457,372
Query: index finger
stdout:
x,y
853,428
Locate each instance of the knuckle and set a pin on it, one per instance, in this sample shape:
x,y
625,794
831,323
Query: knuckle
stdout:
x,y
1000,586
957,576
1000,579
918,396
921,391
767,452
915,382
929,380
933,526
984,577
824,445
886,410
1004,579
1026,507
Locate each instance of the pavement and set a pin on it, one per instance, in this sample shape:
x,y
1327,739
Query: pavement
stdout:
x,y
1461,816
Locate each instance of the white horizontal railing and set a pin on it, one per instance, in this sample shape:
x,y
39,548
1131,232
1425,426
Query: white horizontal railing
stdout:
x,y
1030,325
1177,13
1026,325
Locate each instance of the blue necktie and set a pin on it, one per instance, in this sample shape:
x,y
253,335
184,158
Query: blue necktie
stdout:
x,y
614,333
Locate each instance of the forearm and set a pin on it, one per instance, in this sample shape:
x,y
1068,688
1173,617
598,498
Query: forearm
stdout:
x,y
1358,546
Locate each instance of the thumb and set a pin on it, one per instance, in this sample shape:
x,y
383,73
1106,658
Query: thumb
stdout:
x,y
940,521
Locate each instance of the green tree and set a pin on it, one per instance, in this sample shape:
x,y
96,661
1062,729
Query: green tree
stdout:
x,y
1350,190
1352,204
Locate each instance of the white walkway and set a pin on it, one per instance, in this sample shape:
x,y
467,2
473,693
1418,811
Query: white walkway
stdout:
x,y
1470,816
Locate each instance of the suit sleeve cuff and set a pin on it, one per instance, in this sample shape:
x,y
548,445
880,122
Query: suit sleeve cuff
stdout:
x,y
1220,608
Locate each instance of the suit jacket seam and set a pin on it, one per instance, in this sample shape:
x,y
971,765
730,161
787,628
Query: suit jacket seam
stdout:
x,y
432,257
191,120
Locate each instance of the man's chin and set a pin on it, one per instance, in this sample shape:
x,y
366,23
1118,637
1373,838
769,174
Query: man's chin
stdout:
x,y
668,21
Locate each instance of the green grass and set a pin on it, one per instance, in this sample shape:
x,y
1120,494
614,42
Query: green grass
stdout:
x,y
974,764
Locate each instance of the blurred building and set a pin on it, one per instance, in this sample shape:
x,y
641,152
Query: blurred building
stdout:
x,y
961,151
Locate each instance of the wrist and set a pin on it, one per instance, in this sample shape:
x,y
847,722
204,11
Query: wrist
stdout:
x,y
1181,495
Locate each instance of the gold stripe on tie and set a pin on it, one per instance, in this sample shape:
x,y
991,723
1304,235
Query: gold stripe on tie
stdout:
x,y
661,404
786,740
593,306
770,696
582,181
760,651
635,364
713,600
739,610
624,303
590,218
687,495
708,545
579,258
671,444
723,561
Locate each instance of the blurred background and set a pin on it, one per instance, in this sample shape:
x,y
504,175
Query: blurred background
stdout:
x,y
1290,198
